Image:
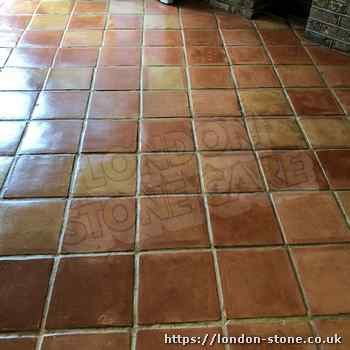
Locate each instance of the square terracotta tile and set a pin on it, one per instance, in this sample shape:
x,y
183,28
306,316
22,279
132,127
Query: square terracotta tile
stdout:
x,y
188,279
221,135
87,38
202,55
245,37
84,22
69,79
264,102
117,78
59,7
233,21
22,299
243,219
30,227
48,22
76,57
154,338
172,222
90,7
283,328
166,174
164,78
211,78
231,172
105,341
56,136
318,132
296,55
324,273
264,279
115,104
324,56
344,198
336,76
10,136
311,217
40,39
275,133
215,103
279,37
125,22
22,78
161,22
123,38
60,104
300,76
286,170
5,164
162,38
344,96
16,105
40,176
256,77
336,164
165,104
100,225
314,102
159,135
202,38
18,343
110,136
199,21
105,175
329,327
163,56
78,299
31,57
126,7
113,56
248,55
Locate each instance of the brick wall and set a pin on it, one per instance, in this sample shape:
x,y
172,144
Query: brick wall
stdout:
x,y
329,23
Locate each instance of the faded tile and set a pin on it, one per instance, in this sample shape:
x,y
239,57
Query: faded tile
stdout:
x,y
231,172
221,134
173,173
30,227
286,170
100,225
106,175
172,222
275,133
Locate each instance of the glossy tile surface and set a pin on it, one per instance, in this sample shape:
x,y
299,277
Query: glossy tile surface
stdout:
x,y
169,169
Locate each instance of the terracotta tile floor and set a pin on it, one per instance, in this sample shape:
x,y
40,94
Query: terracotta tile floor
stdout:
x,y
164,167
